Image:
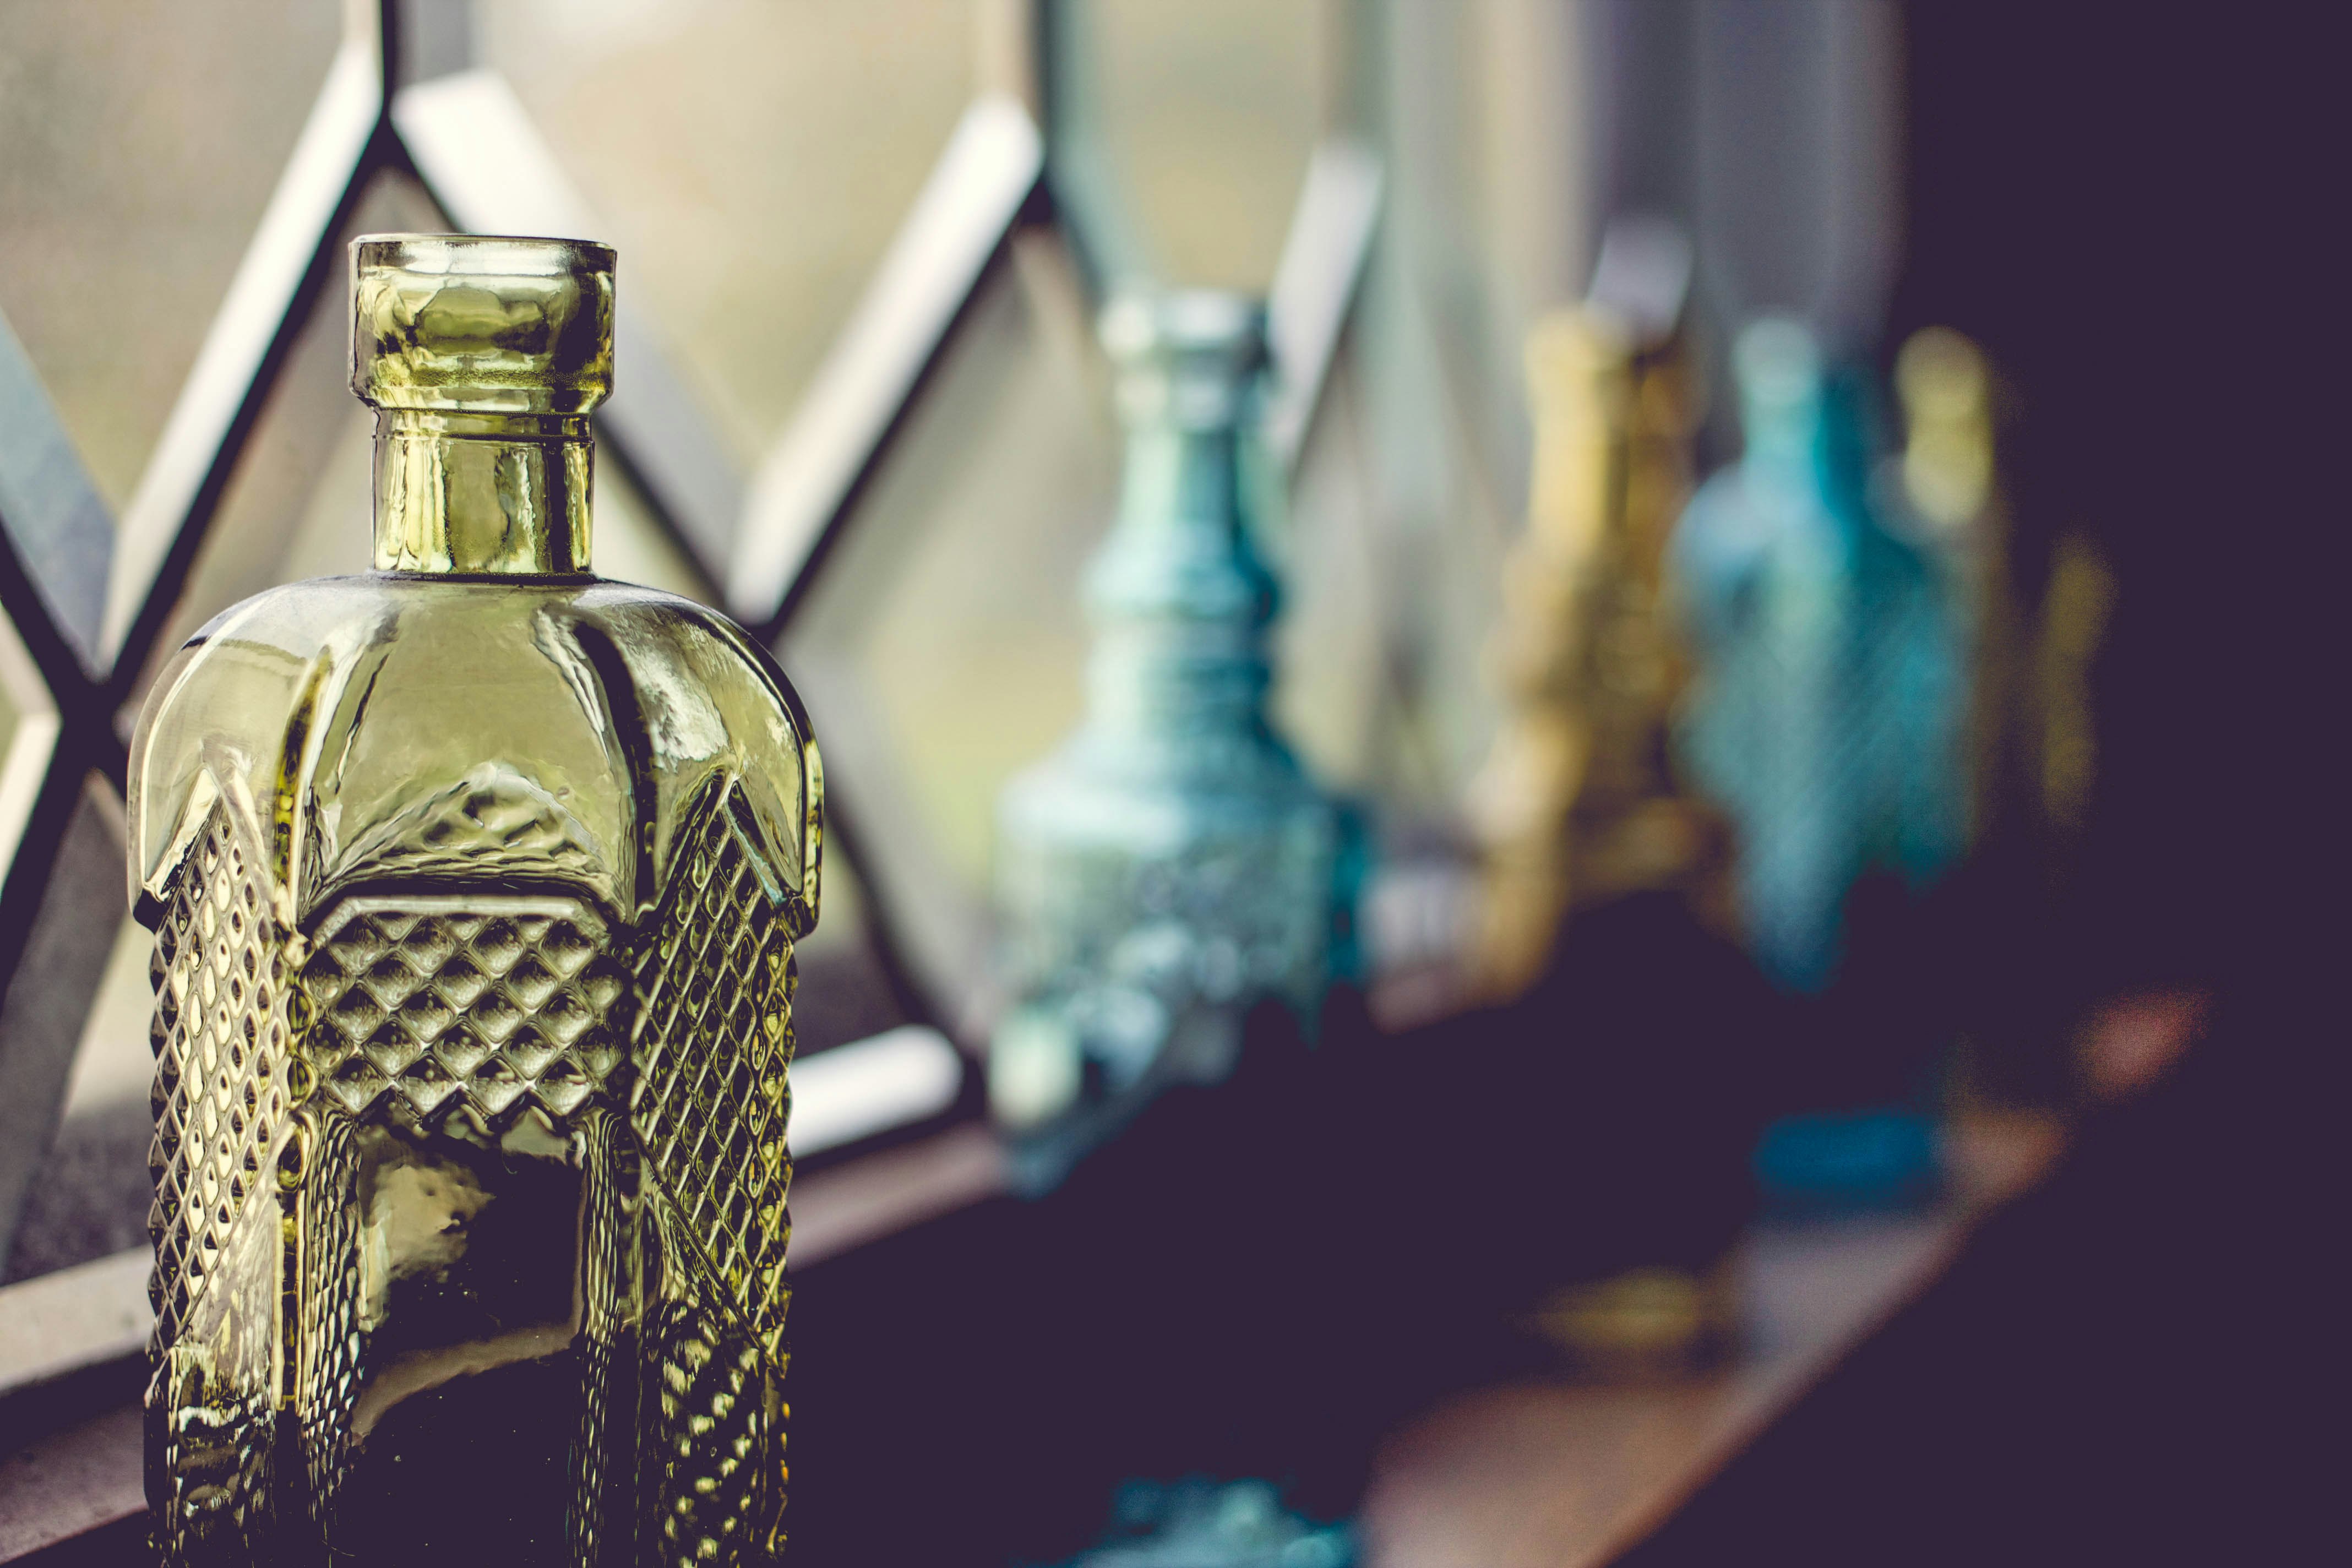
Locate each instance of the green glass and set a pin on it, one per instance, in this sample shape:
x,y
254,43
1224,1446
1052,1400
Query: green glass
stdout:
x,y
475,882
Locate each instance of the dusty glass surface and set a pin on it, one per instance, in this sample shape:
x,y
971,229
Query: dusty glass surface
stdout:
x,y
130,131
475,880
751,161
1207,114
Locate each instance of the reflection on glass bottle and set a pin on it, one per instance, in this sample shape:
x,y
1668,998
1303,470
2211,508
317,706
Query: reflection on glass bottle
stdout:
x,y
1826,715
1170,864
475,882
1577,802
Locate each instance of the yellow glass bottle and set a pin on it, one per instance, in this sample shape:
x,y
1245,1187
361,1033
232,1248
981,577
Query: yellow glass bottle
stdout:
x,y
1575,804
475,882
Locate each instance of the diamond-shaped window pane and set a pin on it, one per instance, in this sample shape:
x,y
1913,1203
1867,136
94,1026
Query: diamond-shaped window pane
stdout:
x,y
88,1197
751,162
140,142
28,732
943,647
1204,115
1336,693
51,1211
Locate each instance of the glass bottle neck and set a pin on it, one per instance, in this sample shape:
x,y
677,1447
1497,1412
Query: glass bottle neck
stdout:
x,y
1179,548
489,493
1179,603
1174,477
1784,441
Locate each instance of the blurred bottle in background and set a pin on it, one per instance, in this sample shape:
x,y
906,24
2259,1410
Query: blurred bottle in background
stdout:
x,y
1578,804
1945,486
1829,718
1611,1056
1171,865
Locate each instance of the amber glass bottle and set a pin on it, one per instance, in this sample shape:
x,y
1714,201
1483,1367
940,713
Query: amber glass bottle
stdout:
x,y
475,882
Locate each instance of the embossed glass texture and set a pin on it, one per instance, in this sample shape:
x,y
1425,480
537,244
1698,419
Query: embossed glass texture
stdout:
x,y
475,880
709,139
131,132
1205,115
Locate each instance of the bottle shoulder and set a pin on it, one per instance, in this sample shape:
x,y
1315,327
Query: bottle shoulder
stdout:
x,y
528,729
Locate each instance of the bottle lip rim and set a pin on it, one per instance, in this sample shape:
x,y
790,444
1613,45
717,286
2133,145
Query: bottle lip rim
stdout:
x,y
1140,322
485,255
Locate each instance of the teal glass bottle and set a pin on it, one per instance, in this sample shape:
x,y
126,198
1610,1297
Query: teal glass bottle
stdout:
x,y
475,881
1828,719
1172,864
1764,557
1828,711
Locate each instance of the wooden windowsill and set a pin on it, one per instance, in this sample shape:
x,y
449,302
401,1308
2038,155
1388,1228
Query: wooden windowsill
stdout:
x,y
1557,1475
1566,1475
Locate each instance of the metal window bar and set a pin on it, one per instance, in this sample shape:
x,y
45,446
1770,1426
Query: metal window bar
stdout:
x,y
288,261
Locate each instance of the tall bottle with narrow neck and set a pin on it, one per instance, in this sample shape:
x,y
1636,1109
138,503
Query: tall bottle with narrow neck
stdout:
x,y
1766,555
1170,865
475,881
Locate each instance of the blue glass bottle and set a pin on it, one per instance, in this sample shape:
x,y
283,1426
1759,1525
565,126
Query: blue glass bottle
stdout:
x,y
1170,865
1827,716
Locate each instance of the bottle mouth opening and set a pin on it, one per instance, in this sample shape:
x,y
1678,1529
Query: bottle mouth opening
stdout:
x,y
1141,322
481,324
483,255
